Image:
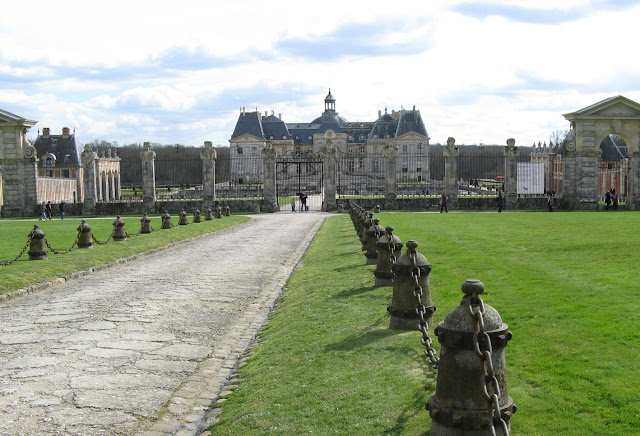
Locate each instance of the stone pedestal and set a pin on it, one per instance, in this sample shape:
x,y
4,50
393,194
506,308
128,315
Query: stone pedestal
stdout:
x,y
390,153
208,156
270,202
89,183
329,164
148,157
511,155
451,152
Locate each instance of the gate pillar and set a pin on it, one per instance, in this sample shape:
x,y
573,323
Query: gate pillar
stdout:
x,y
270,201
390,176
208,156
511,154
329,178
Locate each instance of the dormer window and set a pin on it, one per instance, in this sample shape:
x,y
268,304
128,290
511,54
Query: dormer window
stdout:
x,y
48,160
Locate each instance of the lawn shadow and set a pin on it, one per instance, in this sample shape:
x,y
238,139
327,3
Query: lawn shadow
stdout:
x,y
352,292
368,335
350,267
417,406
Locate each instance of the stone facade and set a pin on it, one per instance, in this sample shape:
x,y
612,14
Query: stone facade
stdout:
x,y
582,149
18,159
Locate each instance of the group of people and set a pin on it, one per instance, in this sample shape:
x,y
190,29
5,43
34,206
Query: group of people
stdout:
x,y
46,209
611,199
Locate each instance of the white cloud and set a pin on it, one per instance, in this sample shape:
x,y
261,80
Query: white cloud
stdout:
x,y
154,71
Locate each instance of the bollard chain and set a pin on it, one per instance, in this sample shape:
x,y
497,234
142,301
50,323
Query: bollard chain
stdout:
x,y
9,262
54,251
104,242
483,349
392,248
421,309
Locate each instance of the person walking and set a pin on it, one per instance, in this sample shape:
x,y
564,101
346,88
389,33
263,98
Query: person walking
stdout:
x,y
303,202
550,201
607,200
43,211
443,203
48,210
63,209
500,201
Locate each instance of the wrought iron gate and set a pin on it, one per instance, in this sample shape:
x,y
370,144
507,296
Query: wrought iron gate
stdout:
x,y
296,174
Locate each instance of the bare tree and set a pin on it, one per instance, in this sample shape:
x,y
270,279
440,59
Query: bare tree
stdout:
x,y
558,136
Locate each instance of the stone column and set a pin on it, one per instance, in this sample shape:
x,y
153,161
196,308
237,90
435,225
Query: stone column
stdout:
x,y
118,192
208,156
148,157
587,194
390,153
511,154
112,187
89,185
329,163
270,201
98,185
451,152
18,159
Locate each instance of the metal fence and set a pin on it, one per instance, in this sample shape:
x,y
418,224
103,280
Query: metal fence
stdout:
x,y
480,173
239,177
360,175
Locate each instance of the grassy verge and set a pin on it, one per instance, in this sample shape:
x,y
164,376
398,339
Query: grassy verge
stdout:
x,y
62,233
564,282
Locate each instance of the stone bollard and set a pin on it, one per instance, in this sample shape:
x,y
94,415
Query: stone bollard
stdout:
x,y
472,382
166,220
404,302
376,209
85,238
340,208
208,214
119,233
218,212
388,245
365,226
227,211
145,224
256,208
373,234
196,216
182,218
37,246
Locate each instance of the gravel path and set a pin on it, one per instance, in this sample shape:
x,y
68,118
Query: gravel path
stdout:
x,y
145,347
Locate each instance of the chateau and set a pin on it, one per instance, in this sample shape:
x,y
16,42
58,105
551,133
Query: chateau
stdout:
x,y
354,141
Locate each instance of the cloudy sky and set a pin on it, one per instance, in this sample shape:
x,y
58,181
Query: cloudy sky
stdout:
x,y
178,72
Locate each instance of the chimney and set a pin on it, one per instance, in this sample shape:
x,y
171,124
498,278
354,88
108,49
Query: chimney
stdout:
x,y
379,113
266,114
65,131
45,132
243,110
280,115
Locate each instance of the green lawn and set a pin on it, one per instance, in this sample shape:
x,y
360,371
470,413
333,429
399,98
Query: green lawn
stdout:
x,y
61,234
565,283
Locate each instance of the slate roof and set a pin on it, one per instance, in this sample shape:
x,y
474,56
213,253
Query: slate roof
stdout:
x,y
65,148
386,126
274,128
248,122
410,121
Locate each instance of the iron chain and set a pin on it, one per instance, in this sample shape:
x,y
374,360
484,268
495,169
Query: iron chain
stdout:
x,y
421,309
104,242
54,251
9,262
488,381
